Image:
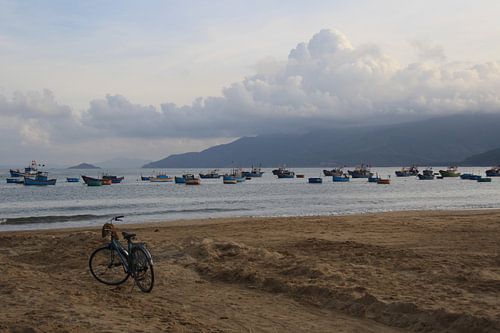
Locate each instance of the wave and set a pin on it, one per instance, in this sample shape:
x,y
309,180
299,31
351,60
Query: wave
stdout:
x,y
94,217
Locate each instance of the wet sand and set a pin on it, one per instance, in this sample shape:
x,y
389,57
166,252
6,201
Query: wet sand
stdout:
x,y
390,272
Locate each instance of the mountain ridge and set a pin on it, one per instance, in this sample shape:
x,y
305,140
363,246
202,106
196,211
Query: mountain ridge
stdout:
x,y
434,141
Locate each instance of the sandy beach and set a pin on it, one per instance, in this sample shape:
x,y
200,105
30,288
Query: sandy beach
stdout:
x,y
389,272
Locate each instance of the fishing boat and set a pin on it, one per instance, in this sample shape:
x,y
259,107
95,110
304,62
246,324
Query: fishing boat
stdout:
x,y
333,172
373,179
235,174
299,176
361,172
41,179
145,178
384,181
92,181
114,179
72,180
212,174
28,171
179,180
484,180
342,178
452,171
229,180
493,172
161,178
282,172
407,172
469,176
427,174
15,180
255,172
190,179
315,180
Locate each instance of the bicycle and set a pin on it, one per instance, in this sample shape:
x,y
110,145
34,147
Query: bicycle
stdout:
x,y
112,264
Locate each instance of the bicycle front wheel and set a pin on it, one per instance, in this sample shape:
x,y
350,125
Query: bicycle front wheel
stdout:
x,y
107,267
142,270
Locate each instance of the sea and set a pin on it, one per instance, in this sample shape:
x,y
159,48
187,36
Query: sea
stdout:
x,y
77,205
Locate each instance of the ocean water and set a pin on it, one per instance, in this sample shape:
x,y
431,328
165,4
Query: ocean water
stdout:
x,y
75,204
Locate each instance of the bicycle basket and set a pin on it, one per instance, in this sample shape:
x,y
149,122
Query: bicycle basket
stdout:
x,y
108,229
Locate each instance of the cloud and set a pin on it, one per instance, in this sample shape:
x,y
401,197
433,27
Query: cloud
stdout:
x,y
324,82
427,51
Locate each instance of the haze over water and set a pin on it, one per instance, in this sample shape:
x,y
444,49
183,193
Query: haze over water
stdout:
x,y
76,205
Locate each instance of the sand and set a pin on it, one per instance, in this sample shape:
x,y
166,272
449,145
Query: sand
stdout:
x,y
390,272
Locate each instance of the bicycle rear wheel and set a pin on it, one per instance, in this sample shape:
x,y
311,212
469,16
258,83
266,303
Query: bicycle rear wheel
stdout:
x,y
142,270
107,267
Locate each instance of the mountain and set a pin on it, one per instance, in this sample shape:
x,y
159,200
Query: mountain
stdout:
x,y
488,158
122,162
428,142
84,166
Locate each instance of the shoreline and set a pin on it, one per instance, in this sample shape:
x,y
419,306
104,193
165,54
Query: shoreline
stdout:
x,y
373,272
241,217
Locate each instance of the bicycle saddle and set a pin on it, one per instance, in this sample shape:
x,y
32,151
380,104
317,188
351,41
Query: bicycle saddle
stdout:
x,y
128,236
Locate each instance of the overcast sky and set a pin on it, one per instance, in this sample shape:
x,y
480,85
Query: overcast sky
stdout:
x,y
92,80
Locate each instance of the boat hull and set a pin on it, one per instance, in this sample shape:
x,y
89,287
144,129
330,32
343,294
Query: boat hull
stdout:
x,y
89,181
38,182
281,175
72,180
315,180
114,179
449,174
15,181
484,180
341,179
425,177
384,181
195,181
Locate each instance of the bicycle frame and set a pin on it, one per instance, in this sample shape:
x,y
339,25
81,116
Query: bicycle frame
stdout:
x,y
124,254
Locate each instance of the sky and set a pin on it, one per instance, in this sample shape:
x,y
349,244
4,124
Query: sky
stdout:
x,y
86,81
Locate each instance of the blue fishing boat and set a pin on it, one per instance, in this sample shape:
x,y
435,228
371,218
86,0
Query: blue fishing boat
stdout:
x,y
373,179
179,180
315,180
161,178
255,172
469,176
72,180
235,174
16,180
41,179
145,178
344,178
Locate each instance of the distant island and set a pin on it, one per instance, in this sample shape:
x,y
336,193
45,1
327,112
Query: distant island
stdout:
x,y
84,166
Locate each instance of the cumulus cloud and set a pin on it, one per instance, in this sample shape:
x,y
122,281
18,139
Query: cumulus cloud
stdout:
x,y
324,82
